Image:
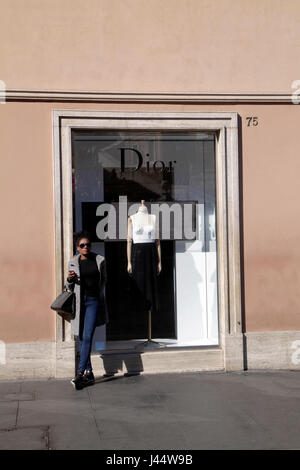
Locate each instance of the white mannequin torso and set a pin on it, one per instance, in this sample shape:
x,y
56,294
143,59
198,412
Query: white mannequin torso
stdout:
x,y
143,227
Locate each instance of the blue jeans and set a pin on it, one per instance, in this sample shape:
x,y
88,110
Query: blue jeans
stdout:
x,y
91,305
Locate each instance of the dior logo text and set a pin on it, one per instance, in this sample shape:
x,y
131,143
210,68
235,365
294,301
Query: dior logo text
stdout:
x,y
157,165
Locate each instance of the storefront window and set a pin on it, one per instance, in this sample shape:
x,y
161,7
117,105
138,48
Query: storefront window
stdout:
x,y
168,170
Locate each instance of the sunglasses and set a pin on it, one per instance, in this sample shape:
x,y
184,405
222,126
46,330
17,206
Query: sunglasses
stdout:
x,y
82,245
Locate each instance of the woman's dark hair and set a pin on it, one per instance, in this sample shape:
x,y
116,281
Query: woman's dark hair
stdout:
x,y
80,235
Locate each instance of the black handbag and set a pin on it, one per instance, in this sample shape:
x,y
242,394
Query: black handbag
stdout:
x,y
64,304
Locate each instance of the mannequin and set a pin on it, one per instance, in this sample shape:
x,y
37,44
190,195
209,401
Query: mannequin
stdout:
x,y
144,259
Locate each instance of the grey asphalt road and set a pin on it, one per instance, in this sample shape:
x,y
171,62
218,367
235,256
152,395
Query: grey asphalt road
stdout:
x,y
187,411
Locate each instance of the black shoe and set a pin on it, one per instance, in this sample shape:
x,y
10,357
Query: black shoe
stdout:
x,y
78,382
89,378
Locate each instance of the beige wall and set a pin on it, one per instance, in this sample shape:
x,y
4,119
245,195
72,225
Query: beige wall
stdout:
x,y
271,206
26,274
271,203
150,45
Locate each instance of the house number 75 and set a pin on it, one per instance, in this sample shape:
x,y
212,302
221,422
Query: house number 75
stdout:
x,y
252,121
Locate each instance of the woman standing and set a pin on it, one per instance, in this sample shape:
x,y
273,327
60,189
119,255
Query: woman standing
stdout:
x,y
87,277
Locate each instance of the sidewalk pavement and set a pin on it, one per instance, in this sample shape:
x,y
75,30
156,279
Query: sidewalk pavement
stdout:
x,y
187,411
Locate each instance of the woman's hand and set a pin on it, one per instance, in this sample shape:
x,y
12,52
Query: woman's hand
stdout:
x,y
129,268
158,268
72,275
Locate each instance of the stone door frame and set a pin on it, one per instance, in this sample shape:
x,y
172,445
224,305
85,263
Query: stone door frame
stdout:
x,y
229,354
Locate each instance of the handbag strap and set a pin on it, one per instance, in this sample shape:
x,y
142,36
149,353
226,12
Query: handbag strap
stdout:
x,y
65,289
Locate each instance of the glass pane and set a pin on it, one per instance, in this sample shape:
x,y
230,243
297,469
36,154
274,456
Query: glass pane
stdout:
x,y
175,169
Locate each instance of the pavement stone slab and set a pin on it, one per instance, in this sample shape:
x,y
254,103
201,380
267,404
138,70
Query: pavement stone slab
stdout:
x,y
17,397
8,414
27,438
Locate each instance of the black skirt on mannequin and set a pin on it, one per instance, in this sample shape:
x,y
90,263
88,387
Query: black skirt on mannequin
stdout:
x,y
144,260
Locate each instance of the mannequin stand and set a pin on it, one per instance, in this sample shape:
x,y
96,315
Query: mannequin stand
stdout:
x,y
150,343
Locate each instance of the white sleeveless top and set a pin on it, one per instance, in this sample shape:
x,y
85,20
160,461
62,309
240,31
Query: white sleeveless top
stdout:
x,y
143,233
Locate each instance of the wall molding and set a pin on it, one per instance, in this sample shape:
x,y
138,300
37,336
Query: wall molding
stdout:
x,y
144,97
272,350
